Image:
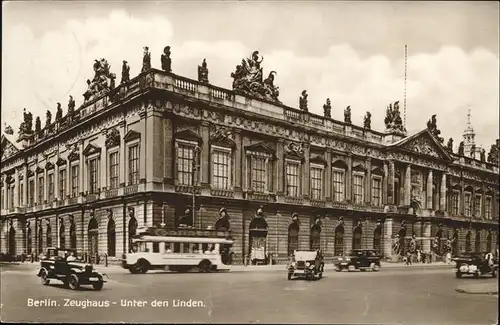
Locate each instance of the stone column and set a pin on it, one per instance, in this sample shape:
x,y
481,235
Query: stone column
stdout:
x,y
384,184
280,173
368,181
407,185
45,184
426,233
462,198
205,154
388,237
104,169
348,178
428,192
442,197
238,161
122,156
306,188
483,201
35,190
143,144
25,185
81,176
327,183
390,183
16,188
56,182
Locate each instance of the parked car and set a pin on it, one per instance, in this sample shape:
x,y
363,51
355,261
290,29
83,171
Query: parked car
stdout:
x,y
62,265
306,264
476,264
359,259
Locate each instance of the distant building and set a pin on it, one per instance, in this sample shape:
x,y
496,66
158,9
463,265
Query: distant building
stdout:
x,y
125,158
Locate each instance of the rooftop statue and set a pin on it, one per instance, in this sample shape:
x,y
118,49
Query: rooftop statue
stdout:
x,y
347,115
125,72
327,109
59,112
432,126
71,105
102,80
48,118
166,61
303,100
26,126
368,121
8,129
493,154
449,146
202,72
483,155
473,151
146,60
461,149
38,125
393,121
247,79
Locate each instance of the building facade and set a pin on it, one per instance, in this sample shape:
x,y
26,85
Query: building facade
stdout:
x,y
138,154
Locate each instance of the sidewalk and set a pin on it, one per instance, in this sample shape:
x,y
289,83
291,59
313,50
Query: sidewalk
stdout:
x,y
488,288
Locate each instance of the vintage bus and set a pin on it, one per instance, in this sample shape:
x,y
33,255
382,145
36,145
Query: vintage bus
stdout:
x,y
178,252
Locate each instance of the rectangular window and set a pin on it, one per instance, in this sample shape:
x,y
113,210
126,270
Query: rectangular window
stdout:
x,y
487,208
62,184
74,180
455,203
292,180
376,191
338,185
93,176
477,206
31,192
259,171
467,204
21,196
41,190
12,191
51,187
133,165
316,183
358,189
185,156
221,169
113,170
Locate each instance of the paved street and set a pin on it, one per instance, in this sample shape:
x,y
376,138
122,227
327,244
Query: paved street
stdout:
x,y
393,295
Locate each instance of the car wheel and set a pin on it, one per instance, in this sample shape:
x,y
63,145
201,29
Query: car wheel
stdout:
x,y
44,278
458,274
142,266
477,275
98,285
134,270
362,270
73,282
290,276
205,266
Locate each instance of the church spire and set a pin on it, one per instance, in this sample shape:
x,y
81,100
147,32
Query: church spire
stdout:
x,y
469,137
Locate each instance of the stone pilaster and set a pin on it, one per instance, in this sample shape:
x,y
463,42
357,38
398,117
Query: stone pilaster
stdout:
x,y
205,154
25,185
143,145
428,192
387,237
426,234
462,198
82,173
390,183
279,166
238,163
16,188
56,183
368,181
407,185
348,178
306,188
122,155
443,196
327,183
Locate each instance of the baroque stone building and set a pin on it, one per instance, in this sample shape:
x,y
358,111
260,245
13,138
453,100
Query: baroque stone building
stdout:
x,y
133,154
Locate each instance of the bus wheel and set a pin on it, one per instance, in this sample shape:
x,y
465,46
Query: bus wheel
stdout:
x,y
205,266
142,266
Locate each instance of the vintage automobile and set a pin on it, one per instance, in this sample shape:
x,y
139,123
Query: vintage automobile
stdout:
x,y
359,259
476,264
73,273
306,264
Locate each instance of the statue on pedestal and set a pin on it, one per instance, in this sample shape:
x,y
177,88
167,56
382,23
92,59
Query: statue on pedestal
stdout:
x,y
432,126
461,149
38,125
125,72
347,115
483,155
48,118
327,109
166,61
146,60
368,121
202,72
59,112
473,151
449,145
303,101
26,126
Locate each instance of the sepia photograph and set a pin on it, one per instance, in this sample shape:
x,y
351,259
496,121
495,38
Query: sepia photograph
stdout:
x,y
246,162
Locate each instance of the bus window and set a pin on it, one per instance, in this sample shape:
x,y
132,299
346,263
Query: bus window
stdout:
x,y
185,248
156,247
177,247
168,248
204,247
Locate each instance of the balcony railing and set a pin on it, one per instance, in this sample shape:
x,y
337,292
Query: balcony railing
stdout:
x,y
318,203
339,205
91,197
293,200
73,200
111,193
221,192
187,189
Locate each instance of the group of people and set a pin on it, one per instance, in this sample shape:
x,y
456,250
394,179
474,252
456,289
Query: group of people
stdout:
x,y
425,257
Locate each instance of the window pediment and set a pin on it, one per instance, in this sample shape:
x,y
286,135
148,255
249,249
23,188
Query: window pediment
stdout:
x,y
49,166
91,149
39,170
30,173
359,168
222,137
261,147
112,138
339,163
60,162
318,160
74,156
188,135
131,135
377,171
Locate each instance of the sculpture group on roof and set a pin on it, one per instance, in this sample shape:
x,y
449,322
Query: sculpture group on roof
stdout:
x,y
247,79
393,121
103,80
493,155
432,126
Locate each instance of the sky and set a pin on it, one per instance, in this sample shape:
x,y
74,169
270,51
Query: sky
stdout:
x,y
350,52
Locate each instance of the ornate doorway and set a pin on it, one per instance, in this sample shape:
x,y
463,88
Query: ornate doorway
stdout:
x,y
257,238
339,241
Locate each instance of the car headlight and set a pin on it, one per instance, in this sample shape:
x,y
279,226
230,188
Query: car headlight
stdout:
x,y
340,258
307,264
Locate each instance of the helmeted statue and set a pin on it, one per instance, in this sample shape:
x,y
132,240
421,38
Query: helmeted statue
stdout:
x,y
166,61
449,145
59,112
48,118
125,72
26,126
347,115
248,79
461,149
223,222
202,71
71,105
38,125
327,109
368,121
146,60
303,101
483,155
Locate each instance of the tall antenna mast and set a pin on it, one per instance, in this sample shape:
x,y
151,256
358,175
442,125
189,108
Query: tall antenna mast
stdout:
x,y
404,103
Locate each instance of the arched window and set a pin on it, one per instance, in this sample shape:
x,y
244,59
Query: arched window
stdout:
x,y
468,247
72,235
377,240
477,243
49,235
357,237
339,241
293,238
12,241
132,227
29,243
111,238
62,236
315,240
402,236
40,240
488,243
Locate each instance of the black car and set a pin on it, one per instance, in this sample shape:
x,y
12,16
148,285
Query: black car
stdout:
x,y
359,259
62,265
476,264
306,264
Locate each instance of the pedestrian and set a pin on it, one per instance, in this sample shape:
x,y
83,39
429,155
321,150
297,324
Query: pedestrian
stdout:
x,y
424,256
448,258
408,258
419,256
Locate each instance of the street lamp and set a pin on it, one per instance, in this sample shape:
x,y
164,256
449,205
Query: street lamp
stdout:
x,y
196,167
